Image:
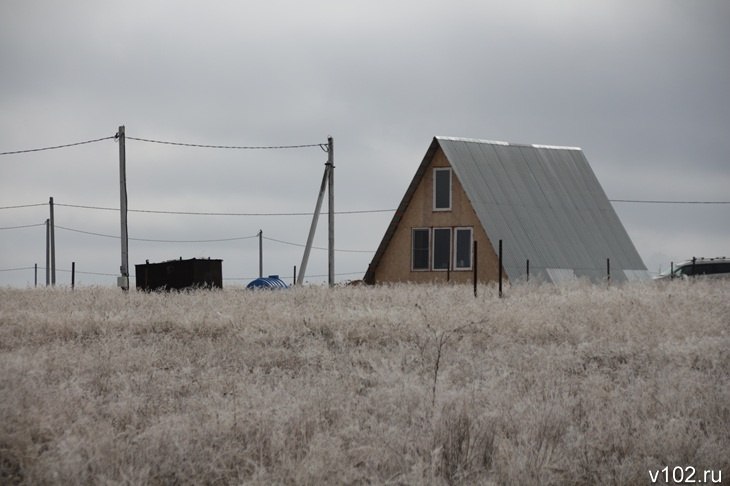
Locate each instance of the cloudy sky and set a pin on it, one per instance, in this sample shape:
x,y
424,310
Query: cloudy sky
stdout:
x,y
642,86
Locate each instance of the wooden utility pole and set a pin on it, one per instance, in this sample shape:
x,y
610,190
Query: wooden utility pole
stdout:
x,y
331,209
312,228
328,185
53,244
123,280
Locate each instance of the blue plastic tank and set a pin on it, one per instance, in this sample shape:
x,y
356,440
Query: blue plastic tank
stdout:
x,y
270,282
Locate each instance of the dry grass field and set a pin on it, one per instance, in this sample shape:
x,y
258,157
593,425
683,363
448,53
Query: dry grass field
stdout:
x,y
385,385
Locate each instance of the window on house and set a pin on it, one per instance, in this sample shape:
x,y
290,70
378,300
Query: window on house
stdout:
x,y
441,248
420,246
442,189
462,245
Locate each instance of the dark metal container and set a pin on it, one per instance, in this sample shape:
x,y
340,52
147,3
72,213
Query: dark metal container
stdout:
x,y
180,274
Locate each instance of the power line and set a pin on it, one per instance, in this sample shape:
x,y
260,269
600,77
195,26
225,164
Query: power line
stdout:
x,y
230,147
309,276
22,226
56,146
16,269
237,238
158,241
666,202
133,276
58,270
24,206
315,247
164,142
207,213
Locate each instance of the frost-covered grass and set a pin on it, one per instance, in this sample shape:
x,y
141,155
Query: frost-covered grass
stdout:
x,y
384,385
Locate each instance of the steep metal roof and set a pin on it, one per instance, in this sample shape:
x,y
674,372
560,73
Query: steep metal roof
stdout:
x,y
547,206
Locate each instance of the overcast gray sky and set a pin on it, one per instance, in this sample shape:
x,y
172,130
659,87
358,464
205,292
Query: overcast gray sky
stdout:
x,y
642,86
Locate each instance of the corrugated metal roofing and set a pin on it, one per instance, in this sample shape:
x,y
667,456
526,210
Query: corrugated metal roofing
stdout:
x,y
547,205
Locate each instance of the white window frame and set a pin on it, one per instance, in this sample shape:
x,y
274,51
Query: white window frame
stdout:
x,y
428,258
455,263
433,249
442,169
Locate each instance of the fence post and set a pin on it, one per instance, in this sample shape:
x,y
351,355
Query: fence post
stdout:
x,y
608,271
261,253
73,275
500,269
475,268
36,275
528,270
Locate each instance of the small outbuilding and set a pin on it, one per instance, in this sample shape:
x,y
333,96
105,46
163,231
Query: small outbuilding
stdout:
x,y
180,274
544,202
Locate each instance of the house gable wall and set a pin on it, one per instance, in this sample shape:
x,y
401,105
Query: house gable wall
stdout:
x,y
395,264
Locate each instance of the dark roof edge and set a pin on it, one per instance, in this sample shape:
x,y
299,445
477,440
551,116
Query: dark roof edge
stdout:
x,y
415,182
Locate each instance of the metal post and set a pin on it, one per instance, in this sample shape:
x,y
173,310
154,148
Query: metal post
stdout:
x,y
48,252
528,269
36,275
313,227
123,281
475,267
294,280
608,271
331,209
500,268
261,253
671,271
53,244
73,274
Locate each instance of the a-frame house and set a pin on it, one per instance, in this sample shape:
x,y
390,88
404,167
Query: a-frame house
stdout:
x,y
543,202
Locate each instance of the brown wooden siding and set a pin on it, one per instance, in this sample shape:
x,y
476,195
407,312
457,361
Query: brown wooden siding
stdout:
x,y
395,264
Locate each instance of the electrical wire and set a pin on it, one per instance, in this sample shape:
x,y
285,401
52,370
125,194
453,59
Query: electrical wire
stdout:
x,y
150,240
24,206
155,240
206,213
56,146
58,270
230,147
22,226
16,269
637,201
315,247
312,276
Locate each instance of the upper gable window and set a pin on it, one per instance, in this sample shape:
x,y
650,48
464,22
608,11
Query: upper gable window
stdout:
x,y
442,189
